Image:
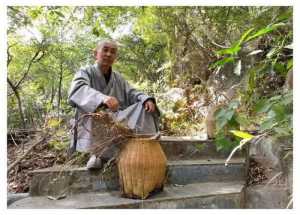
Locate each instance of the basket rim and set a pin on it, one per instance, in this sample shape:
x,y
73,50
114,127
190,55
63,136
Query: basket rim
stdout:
x,y
146,136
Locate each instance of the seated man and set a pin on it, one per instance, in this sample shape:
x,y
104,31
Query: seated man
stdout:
x,y
98,85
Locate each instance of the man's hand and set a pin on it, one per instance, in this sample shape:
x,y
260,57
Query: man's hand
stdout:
x,y
112,103
149,106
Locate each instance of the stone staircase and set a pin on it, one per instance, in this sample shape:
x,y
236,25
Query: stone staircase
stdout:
x,y
196,178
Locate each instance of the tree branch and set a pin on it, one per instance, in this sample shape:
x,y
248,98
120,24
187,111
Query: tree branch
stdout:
x,y
11,85
9,56
28,68
38,141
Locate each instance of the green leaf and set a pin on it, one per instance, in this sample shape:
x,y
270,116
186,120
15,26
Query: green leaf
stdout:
x,y
264,31
220,112
287,99
229,114
267,124
221,122
290,64
58,145
245,35
95,31
60,14
35,12
234,104
223,117
271,114
236,47
275,98
279,111
242,134
53,123
285,16
222,62
223,143
232,123
263,106
279,68
230,51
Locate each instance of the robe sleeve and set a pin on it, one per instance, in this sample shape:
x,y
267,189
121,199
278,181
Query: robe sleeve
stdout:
x,y
82,95
135,96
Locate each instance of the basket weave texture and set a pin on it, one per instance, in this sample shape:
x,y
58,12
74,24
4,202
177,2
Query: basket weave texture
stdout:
x,y
142,168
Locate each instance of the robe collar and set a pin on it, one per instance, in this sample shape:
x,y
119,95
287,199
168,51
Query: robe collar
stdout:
x,y
99,74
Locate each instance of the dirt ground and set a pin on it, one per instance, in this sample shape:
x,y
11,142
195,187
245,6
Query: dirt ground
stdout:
x,y
43,155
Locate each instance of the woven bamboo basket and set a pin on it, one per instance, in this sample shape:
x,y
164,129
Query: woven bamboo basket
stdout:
x,y
142,168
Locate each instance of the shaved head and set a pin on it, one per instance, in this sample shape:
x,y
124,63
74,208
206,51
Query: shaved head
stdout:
x,y
105,54
101,43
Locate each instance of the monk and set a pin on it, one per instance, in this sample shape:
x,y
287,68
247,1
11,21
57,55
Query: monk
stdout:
x,y
99,85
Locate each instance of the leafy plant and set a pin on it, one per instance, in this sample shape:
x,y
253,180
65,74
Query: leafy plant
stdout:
x,y
227,119
263,104
276,114
231,53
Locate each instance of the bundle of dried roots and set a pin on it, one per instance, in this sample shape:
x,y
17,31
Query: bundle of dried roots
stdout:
x,y
107,133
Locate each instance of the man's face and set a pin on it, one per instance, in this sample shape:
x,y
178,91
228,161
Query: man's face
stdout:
x,y
106,54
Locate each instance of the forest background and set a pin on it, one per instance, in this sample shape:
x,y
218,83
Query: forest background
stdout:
x,y
234,64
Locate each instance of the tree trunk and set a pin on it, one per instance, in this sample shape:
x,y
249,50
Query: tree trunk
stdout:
x,y
16,92
53,92
16,86
59,88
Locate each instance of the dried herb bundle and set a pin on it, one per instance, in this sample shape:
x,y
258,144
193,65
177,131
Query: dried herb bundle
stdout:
x,y
107,133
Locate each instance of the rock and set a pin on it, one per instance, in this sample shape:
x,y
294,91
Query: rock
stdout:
x,y
276,156
174,94
266,197
13,197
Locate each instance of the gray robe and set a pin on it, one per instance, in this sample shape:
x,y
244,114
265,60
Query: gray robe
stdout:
x,y
88,91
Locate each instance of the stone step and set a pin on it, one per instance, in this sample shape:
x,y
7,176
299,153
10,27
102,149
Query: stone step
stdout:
x,y
187,147
209,170
13,197
218,195
57,180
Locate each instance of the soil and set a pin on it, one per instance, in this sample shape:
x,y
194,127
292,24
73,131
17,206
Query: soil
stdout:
x,y
41,156
256,173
